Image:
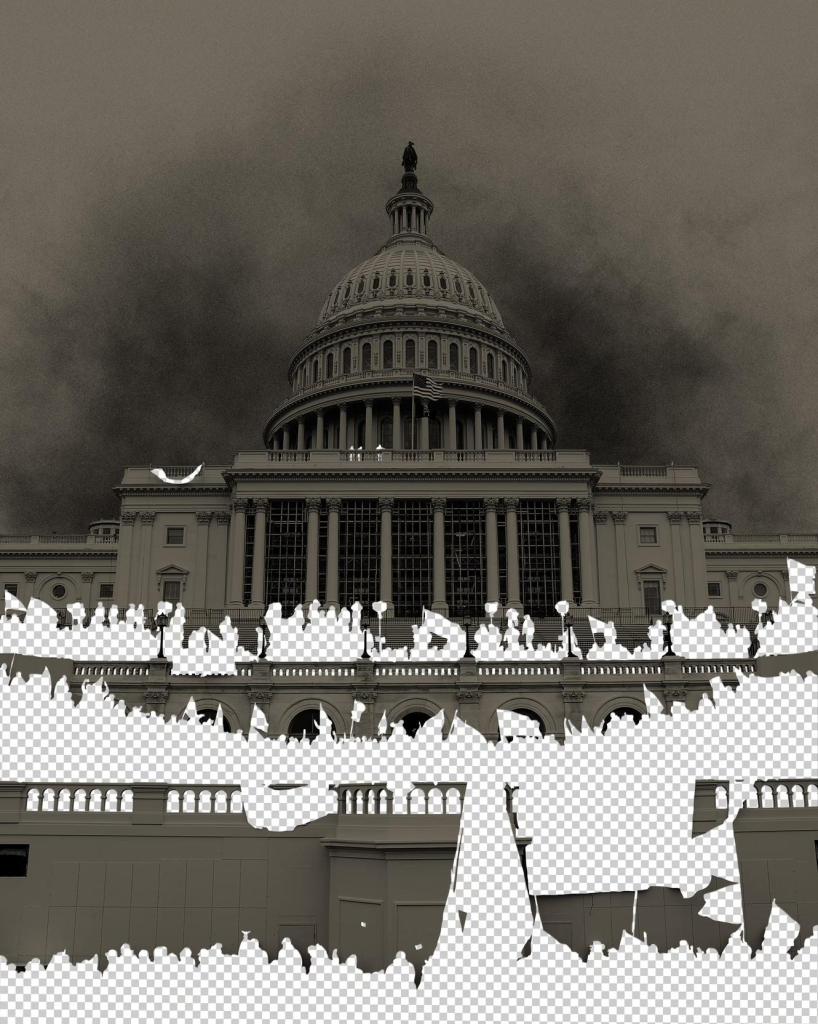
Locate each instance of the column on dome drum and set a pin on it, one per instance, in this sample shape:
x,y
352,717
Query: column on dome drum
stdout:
x,y
566,568
342,427
313,513
478,426
512,554
492,551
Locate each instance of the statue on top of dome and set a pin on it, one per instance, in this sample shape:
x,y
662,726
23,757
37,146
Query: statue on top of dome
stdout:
x,y
410,159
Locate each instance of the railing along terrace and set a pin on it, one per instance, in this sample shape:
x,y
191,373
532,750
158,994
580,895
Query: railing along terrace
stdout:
x,y
176,472
406,375
119,798
45,540
810,539
779,794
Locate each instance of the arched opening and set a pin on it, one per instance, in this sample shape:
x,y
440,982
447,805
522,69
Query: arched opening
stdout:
x,y
623,712
414,720
472,360
347,290
346,360
528,713
504,372
427,280
330,364
366,356
454,357
409,351
209,715
386,432
388,354
393,279
458,287
410,279
435,433
360,434
490,365
444,284
305,724
432,354
315,371
361,287
376,283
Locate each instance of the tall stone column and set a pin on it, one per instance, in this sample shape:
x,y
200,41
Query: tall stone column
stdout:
x,y
478,426
535,439
501,429
301,439
277,441
544,443
520,439
238,530
732,587
285,439
424,426
311,583
600,520
512,554
694,520
678,593
386,505
333,595
342,427
319,429
622,576
492,551
369,432
452,439
257,596
566,570
216,592
122,588
587,569
200,571
146,536
439,603
397,440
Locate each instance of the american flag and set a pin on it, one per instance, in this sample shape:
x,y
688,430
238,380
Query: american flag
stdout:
x,y
426,387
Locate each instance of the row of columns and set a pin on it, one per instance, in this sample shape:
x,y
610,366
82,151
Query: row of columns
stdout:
x,y
493,506
283,439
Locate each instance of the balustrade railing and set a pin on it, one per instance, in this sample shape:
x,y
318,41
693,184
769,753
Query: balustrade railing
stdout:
x,y
779,794
90,798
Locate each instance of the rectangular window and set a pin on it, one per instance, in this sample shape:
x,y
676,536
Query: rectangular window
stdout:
x,y
14,861
538,529
11,588
172,591
359,568
653,598
713,589
106,591
647,535
286,563
175,535
412,557
466,558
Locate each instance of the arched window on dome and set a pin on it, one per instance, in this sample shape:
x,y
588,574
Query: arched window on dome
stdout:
x,y
431,351
471,291
335,297
514,376
347,290
376,283
458,287
454,357
346,360
388,355
409,351
410,279
490,365
366,356
361,287
393,279
330,365
482,296
315,371
386,432
444,284
504,372
472,360
427,279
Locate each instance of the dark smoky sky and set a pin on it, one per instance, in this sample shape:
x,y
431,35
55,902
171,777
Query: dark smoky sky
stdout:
x,y
182,183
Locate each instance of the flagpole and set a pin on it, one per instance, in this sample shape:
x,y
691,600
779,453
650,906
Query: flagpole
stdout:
x,y
412,440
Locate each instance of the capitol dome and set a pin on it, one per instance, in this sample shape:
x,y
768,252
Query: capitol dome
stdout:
x,y
408,267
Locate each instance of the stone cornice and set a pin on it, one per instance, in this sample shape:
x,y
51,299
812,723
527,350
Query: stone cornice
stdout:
x,y
735,552
412,472
214,489
699,490
32,554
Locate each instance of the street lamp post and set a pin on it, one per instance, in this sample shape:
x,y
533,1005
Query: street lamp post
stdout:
x,y
569,622
263,624
161,622
667,622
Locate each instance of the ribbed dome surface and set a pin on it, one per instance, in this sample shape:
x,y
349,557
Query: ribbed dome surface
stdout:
x,y
410,268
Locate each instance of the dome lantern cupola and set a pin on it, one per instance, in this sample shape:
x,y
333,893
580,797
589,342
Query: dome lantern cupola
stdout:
x,y
409,209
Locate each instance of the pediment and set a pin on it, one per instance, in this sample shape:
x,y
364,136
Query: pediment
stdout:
x,y
172,570
650,567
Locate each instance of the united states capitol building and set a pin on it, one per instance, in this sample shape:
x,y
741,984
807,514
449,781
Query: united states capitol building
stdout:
x,y
410,465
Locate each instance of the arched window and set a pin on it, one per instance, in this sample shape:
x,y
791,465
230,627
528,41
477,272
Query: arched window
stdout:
x,y
410,278
472,360
435,433
471,292
458,287
533,716
482,296
621,713
514,376
490,365
335,297
209,715
432,354
376,282
393,279
504,371
414,720
314,370
387,354
346,360
330,364
305,723
444,284
427,279
361,287
386,432
454,361
347,290
409,350
366,356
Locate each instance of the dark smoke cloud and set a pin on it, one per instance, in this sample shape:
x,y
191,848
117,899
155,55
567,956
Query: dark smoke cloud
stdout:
x,y
179,197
